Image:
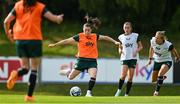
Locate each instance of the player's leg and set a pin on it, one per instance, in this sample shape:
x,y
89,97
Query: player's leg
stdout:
x,y
65,70
132,66
24,61
130,79
73,74
35,62
156,68
155,76
163,70
34,51
124,71
15,74
92,73
78,68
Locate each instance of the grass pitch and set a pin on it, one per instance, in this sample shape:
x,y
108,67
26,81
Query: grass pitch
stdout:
x,y
93,100
103,94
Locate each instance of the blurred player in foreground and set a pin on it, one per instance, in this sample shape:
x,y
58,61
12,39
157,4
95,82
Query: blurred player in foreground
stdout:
x,y
28,37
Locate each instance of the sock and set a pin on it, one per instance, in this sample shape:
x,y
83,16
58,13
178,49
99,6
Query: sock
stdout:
x,y
32,81
92,82
128,87
121,82
22,72
159,83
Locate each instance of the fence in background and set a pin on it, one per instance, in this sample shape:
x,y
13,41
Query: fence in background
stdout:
x,y
108,71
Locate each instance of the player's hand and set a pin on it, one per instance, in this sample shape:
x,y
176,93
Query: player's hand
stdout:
x,y
60,18
117,43
135,54
149,62
51,45
10,35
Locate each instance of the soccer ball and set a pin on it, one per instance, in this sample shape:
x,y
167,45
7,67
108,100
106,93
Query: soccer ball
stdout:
x,y
75,91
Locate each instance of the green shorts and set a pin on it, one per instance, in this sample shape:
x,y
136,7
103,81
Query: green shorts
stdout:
x,y
85,64
130,63
157,65
29,48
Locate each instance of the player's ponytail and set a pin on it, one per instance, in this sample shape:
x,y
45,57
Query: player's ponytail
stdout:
x,y
92,22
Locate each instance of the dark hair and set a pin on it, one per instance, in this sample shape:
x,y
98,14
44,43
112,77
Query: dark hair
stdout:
x,y
29,3
92,22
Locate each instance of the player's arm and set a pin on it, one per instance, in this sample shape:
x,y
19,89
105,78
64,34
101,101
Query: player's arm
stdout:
x,y
52,17
107,38
140,46
120,49
63,42
7,23
151,52
174,52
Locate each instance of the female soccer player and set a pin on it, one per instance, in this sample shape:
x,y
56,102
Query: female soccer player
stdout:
x,y
160,51
87,52
129,48
28,36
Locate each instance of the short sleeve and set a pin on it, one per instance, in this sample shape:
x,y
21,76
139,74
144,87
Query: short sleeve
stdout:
x,y
152,40
76,38
138,38
171,47
97,36
45,10
119,38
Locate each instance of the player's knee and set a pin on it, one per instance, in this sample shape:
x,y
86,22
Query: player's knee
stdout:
x,y
130,79
123,76
70,77
93,76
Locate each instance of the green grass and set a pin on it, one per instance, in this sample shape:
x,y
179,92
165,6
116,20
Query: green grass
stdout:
x,y
93,100
103,94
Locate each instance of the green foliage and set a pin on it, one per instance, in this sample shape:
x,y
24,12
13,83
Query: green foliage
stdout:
x,y
175,23
147,15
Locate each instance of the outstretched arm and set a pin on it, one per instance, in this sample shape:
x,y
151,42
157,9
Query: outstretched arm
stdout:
x,y
54,18
107,38
7,23
63,42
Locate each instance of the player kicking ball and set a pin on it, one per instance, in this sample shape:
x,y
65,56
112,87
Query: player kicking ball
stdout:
x,y
87,51
160,52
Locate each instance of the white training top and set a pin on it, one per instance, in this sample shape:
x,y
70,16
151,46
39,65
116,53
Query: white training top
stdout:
x,y
129,44
161,52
